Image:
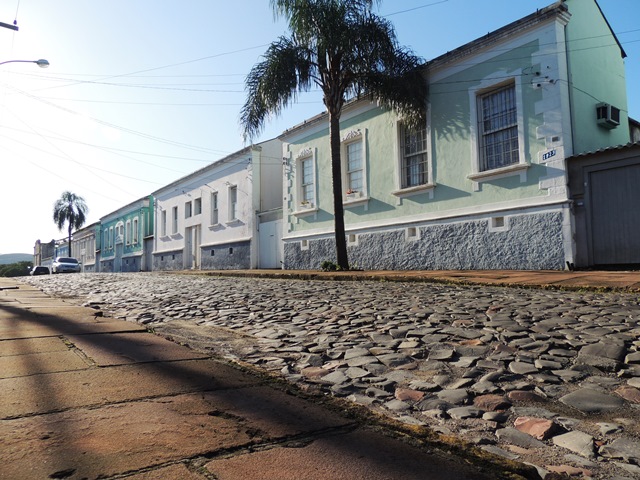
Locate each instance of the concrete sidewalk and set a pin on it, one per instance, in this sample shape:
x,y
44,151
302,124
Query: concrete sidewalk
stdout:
x,y
82,396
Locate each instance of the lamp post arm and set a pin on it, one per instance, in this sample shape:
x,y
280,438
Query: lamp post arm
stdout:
x,y
9,26
41,63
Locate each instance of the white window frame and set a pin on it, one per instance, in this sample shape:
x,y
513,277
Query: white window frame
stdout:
x,y
136,236
499,223
215,213
306,181
174,225
403,190
306,194
487,87
188,211
127,232
233,203
361,196
163,223
119,233
197,206
412,234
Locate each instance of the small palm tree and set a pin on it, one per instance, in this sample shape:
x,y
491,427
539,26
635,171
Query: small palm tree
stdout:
x,y
72,210
347,51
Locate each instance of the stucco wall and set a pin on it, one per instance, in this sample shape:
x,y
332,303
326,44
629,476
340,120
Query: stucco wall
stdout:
x,y
597,75
532,241
452,148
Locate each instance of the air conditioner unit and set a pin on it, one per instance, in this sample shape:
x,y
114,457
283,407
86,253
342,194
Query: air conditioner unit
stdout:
x,y
607,115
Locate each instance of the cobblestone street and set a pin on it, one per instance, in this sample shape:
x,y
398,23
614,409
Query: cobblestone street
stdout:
x,y
550,378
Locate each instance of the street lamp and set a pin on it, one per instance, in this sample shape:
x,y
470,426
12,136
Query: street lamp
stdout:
x,y
42,63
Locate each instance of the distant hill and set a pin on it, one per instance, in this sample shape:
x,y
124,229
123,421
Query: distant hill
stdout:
x,y
7,258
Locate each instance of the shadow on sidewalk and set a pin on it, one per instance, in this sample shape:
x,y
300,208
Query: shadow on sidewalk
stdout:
x,y
260,417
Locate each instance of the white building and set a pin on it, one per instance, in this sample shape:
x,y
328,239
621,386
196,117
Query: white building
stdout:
x,y
227,215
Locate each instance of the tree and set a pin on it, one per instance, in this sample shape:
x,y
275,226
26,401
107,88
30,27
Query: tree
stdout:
x,y
17,269
348,52
72,210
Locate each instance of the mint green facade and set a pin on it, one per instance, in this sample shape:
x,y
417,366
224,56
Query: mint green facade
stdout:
x,y
123,237
597,75
467,216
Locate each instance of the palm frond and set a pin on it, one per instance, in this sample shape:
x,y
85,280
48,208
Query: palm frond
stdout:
x,y
272,84
70,209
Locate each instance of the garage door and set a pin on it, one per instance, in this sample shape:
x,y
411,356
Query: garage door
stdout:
x,y
615,215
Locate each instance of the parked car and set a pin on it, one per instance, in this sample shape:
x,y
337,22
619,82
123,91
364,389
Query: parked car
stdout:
x,y
65,265
39,270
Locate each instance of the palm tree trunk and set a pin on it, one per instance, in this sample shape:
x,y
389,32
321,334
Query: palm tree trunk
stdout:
x,y
338,209
70,239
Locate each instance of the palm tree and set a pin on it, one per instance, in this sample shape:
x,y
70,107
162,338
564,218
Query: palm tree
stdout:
x,y
71,209
344,49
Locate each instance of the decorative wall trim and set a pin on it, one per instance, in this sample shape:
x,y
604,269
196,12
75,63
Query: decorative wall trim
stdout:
x,y
352,135
305,152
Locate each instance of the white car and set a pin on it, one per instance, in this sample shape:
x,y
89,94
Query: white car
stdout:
x,y
65,265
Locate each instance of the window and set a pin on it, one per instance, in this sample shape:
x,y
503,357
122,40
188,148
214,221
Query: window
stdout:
x,y
307,187
111,238
498,128
233,203
499,224
187,209
304,199
414,167
214,208
174,226
164,223
197,206
105,238
354,167
128,232
135,231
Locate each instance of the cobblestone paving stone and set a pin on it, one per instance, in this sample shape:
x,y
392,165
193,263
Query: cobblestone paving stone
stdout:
x,y
547,377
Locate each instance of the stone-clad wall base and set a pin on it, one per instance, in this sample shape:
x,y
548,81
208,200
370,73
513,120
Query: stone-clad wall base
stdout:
x,y
230,256
168,261
106,266
531,242
131,264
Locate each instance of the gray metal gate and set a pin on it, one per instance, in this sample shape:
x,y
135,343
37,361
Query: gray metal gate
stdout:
x,y
614,204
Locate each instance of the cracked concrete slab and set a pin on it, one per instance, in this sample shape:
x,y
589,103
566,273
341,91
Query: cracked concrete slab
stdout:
x,y
37,363
113,439
361,455
274,411
39,394
26,346
127,348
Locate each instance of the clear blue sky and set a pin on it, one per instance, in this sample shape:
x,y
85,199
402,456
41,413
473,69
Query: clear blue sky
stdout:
x,y
140,93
